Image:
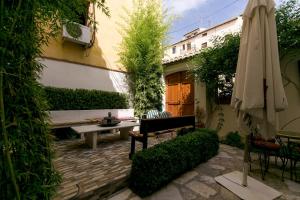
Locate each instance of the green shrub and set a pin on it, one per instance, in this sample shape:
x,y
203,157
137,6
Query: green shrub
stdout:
x,y
26,26
141,52
233,139
183,131
81,99
65,134
155,167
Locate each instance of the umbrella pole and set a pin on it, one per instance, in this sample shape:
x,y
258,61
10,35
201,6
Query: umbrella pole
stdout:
x,y
246,162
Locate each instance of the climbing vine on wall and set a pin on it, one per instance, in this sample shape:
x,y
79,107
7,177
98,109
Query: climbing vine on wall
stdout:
x,y
212,64
221,59
288,29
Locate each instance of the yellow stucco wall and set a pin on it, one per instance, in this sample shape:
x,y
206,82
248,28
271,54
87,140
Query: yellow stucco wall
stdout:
x,y
104,53
290,118
230,121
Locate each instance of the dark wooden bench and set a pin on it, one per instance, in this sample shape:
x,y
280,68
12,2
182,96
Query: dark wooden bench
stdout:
x,y
158,126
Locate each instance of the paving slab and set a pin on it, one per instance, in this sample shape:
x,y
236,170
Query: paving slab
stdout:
x,y
293,186
170,192
186,177
223,154
291,197
135,198
207,179
122,195
201,189
226,194
217,167
187,194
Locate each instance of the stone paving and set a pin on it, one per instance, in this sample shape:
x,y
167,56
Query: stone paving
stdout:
x,y
97,173
200,184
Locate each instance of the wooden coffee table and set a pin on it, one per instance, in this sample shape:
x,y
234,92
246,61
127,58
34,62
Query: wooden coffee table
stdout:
x,y
90,132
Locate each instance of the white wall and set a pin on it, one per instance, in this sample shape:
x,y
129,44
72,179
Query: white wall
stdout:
x,y
290,118
233,26
220,30
70,75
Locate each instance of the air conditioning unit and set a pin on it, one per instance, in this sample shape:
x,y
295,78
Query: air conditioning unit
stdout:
x,y
76,33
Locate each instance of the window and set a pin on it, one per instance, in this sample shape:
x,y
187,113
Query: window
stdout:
x,y
204,45
174,50
188,46
224,92
204,34
183,47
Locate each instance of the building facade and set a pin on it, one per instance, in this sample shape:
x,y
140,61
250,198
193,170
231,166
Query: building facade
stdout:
x,y
91,61
183,95
200,38
186,96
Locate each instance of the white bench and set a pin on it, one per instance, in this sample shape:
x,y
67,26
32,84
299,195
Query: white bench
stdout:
x,y
68,118
91,131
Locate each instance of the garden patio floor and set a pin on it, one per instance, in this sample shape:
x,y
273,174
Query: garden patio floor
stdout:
x,y
102,172
199,183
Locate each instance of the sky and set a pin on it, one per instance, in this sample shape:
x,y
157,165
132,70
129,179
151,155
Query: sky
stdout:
x,y
191,14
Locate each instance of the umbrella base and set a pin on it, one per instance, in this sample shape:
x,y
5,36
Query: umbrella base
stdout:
x,y
255,189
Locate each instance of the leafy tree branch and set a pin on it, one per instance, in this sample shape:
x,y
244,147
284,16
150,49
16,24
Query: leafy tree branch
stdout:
x,y
26,165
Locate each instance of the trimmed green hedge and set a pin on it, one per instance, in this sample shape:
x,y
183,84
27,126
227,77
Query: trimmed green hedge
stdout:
x,y
155,167
81,99
233,139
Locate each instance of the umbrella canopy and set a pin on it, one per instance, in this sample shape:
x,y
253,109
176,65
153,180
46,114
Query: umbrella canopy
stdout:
x,y
258,90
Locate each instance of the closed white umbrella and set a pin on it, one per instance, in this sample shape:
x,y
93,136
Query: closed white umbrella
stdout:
x,y
258,91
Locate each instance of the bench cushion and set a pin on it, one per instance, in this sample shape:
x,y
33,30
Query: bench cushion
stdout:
x,y
152,114
267,145
164,114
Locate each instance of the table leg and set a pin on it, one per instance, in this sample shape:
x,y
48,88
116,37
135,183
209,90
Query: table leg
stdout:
x,y
113,131
290,157
124,132
91,139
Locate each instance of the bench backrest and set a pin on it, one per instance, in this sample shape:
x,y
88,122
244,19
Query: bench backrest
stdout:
x,y
159,124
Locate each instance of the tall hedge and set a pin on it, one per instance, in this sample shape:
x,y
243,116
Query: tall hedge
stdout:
x,y
142,52
157,166
82,99
26,167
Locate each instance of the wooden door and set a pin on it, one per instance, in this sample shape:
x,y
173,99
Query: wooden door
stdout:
x,y
180,94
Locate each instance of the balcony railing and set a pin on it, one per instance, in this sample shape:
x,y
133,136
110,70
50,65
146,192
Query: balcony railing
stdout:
x,y
182,52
